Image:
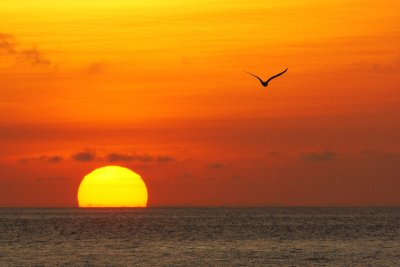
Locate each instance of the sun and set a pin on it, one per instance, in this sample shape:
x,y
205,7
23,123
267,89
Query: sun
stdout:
x,y
112,186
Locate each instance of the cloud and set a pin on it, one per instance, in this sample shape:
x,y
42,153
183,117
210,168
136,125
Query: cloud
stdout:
x,y
32,56
187,175
217,165
88,155
44,158
163,159
319,156
274,154
185,60
7,44
96,68
85,156
115,157
388,155
51,178
54,159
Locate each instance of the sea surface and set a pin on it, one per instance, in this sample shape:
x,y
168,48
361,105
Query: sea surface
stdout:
x,y
200,237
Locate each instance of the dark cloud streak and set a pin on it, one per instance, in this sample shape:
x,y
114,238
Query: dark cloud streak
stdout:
x,y
96,68
217,165
7,44
32,56
84,156
51,178
324,156
119,157
44,158
115,157
163,159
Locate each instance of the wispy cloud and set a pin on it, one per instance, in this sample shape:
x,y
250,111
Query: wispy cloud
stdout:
x,y
89,155
380,154
319,156
275,154
44,158
51,178
33,56
217,165
9,46
120,157
163,159
84,156
114,157
187,175
96,68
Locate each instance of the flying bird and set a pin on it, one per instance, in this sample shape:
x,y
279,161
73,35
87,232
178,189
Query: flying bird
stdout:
x,y
265,84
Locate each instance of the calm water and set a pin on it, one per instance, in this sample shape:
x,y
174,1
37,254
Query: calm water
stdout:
x,y
201,236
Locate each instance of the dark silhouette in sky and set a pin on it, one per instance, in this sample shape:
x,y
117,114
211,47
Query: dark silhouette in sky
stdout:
x,y
265,84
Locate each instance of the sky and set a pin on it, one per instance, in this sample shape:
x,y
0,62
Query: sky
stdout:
x,y
159,87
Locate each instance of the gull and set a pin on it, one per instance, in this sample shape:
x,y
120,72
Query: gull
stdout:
x,y
265,84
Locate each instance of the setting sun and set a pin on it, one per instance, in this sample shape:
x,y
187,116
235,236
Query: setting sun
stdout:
x,y
112,186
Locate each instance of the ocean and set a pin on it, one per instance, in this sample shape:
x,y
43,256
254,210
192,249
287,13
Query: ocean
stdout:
x,y
200,237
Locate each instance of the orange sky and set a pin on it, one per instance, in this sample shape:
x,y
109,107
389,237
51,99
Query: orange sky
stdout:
x,y
159,87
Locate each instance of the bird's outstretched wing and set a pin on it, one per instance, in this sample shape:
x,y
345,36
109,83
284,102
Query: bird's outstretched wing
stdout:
x,y
277,75
255,76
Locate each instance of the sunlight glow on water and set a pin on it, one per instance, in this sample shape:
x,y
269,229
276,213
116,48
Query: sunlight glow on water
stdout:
x,y
201,236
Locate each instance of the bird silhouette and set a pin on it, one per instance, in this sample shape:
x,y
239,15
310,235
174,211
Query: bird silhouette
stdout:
x,y
265,84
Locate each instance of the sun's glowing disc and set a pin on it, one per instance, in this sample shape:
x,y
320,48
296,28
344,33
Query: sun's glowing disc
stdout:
x,y
112,186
